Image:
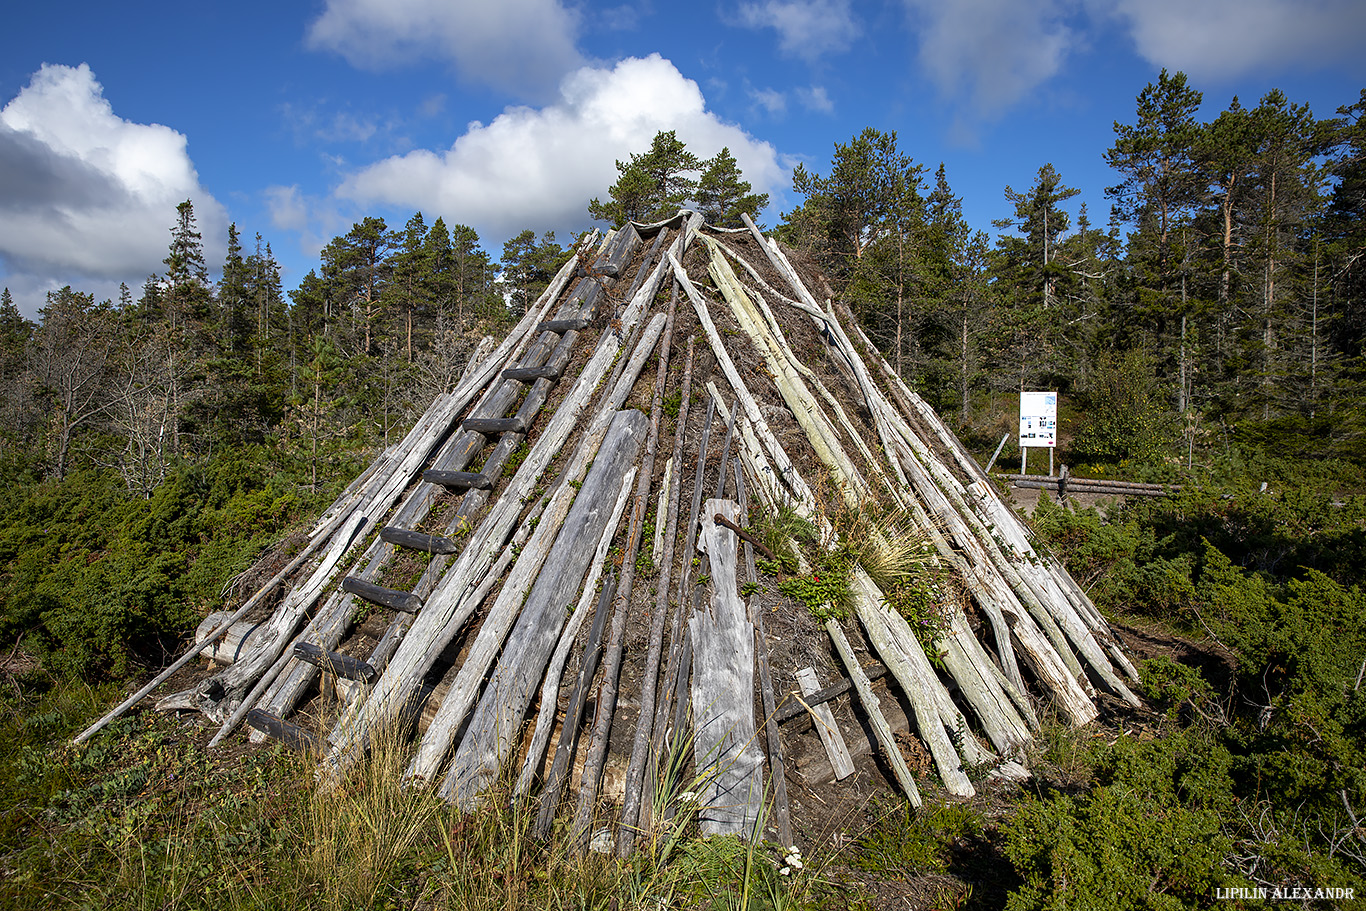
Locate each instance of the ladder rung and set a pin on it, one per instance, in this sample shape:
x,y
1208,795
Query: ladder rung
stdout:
x,y
461,479
523,374
291,735
344,666
407,602
491,426
562,326
416,540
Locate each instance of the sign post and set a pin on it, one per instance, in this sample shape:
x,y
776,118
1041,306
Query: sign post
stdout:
x,y
1038,425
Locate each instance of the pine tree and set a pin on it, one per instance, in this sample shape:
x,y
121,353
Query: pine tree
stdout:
x,y
652,185
410,265
723,194
1156,157
528,266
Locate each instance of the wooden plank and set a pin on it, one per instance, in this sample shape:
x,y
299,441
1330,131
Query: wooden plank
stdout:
x,y
561,326
528,374
824,720
550,688
291,735
416,540
492,426
457,479
725,735
391,598
335,663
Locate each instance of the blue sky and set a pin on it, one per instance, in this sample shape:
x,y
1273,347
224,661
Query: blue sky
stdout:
x,y
296,120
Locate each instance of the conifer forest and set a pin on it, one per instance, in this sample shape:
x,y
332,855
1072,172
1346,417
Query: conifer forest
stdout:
x,y
1204,333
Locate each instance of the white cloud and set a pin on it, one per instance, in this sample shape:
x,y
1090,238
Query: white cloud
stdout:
x,y
1226,38
806,28
523,46
85,193
772,101
992,52
538,167
817,99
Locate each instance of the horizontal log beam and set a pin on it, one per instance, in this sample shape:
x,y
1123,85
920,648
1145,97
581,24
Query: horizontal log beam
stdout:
x,y
526,374
493,426
1091,487
1073,479
391,598
291,735
561,326
460,479
416,540
343,666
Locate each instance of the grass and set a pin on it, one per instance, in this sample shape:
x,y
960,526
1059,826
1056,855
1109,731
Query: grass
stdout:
x,y
142,818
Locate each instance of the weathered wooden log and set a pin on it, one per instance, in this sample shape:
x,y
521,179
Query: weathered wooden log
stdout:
x,y
237,640
558,775
624,246
640,744
826,726
662,512
416,540
493,426
777,770
550,689
385,597
725,735
496,720
530,374
345,666
882,731
559,326
457,479
291,735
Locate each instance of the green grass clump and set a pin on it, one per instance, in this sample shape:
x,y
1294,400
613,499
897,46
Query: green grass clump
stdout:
x,y
909,842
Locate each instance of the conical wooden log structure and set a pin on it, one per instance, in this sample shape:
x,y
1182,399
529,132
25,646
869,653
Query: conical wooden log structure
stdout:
x,y
515,488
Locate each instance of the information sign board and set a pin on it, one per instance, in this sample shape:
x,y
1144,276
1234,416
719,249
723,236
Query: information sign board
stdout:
x,y
1038,419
